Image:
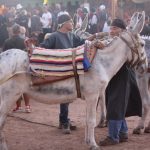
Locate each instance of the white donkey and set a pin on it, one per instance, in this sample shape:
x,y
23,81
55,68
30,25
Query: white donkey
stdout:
x,y
15,80
143,81
144,86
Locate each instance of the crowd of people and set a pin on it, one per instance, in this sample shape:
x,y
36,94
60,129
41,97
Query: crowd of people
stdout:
x,y
18,23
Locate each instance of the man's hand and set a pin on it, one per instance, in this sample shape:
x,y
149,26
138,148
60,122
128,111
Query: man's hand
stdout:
x,y
98,44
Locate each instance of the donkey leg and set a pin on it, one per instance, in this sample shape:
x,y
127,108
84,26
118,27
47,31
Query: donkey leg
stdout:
x,y
7,98
102,123
145,95
91,102
3,115
147,129
141,122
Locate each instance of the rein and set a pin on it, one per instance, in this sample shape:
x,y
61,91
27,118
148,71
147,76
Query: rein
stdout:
x,y
134,51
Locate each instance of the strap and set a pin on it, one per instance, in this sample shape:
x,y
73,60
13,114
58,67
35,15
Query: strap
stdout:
x,y
77,81
6,78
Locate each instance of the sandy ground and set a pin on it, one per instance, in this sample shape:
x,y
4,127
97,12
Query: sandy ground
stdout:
x,y
24,135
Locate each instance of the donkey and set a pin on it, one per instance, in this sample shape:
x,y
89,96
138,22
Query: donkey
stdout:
x,y
142,80
15,79
143,85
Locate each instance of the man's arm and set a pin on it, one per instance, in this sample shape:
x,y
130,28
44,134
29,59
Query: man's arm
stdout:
x,y
99,35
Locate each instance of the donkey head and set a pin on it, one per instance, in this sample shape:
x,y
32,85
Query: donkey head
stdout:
x,y
135,27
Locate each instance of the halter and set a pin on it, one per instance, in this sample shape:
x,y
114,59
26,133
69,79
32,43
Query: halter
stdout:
x,y
134,51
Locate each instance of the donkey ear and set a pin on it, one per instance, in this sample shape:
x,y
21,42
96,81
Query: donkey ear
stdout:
x,y
84,23
137,23
140,23
133,21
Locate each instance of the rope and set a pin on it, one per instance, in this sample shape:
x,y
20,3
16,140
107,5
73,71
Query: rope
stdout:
x,y
10,76
30,121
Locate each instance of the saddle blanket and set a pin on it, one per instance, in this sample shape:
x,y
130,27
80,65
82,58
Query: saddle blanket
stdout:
x,y
56,62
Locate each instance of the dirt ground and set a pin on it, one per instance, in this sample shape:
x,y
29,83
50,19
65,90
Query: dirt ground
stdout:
x,y
24,135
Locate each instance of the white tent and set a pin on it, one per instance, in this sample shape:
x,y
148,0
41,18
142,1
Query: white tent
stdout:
x,y
140,1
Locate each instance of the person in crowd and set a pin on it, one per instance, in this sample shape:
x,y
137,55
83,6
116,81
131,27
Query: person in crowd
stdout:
x,y
93,21
122,97
36,25
17,41
46,20
78,18
146,28
63,11
3,29
22,19
102,17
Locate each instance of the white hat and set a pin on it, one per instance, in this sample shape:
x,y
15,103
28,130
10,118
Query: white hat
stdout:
x,y
19,6
102,7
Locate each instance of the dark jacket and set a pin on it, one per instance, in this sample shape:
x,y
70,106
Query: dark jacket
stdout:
x,y
36,25
14,42
122,95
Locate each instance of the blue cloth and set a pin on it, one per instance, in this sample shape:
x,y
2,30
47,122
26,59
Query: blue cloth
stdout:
x,y
115,127
86,63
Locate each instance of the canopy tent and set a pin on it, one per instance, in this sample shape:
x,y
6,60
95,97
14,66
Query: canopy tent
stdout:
x,y
140,1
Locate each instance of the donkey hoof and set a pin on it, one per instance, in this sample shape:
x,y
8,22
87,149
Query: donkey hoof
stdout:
x,y
95,148
147,130
136,131
101,125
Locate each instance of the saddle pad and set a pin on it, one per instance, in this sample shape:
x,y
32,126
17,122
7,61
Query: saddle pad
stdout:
x,y
56,62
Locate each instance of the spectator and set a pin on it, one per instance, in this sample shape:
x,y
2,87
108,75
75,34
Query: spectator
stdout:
x,y
146,28
36,25
102,15
17,41
46,21
93,20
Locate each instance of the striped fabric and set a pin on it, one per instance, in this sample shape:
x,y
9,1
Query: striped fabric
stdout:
x,y
56,62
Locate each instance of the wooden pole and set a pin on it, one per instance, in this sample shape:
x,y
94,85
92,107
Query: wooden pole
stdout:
x,y
114,3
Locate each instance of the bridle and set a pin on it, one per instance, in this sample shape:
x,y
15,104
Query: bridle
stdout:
x,y
135,61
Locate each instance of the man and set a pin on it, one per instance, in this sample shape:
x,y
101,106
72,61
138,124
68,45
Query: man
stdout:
x,y
122,97
46,20
63,38
15,41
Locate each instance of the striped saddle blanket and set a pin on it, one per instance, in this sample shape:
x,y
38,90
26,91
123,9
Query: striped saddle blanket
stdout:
x,y
56,62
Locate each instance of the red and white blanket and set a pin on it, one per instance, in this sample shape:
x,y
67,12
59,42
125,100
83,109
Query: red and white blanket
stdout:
x,y
56,62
